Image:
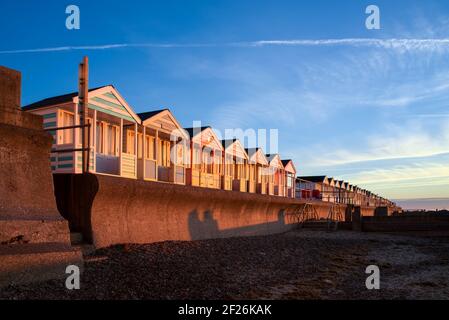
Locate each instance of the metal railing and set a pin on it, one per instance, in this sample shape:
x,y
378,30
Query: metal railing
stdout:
x,y
80,126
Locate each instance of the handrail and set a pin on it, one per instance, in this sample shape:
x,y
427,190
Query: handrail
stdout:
x,y
87,125
68,127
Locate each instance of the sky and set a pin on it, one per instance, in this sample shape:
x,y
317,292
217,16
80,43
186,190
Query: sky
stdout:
x,y
367,106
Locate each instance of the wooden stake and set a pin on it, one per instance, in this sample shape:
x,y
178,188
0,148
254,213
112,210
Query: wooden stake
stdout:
x,y
83,88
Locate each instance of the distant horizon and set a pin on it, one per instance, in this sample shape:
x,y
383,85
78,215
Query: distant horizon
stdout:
x,y
423,204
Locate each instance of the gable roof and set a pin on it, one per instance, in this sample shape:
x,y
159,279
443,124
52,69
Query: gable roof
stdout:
x,y
285,162
314,178
228,142
237,147
275,159
105,99
288,162
196,130
256,155
205,132
163,119
149,114
65,98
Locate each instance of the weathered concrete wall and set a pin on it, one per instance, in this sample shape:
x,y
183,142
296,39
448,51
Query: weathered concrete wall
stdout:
x,y
34,237
10,88
26,188
112,210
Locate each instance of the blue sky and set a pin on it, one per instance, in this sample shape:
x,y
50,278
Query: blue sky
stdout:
x,y
375,113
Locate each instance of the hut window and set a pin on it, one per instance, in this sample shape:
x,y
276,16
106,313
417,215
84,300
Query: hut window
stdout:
x,y
276,177
196,163
207,161
99,142
259,174
289,180
149,152
271,174
241,172
112,140
217,162
164,153
130,142
68,119
239,169
139,145
229,163
179,154
159,149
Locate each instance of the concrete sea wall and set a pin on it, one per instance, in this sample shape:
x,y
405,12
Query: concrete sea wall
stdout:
x,y
112,210
34,238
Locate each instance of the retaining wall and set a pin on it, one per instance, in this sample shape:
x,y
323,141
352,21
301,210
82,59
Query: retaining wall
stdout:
x,y
112,210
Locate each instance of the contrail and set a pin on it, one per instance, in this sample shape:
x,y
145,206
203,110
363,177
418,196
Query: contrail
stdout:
x,y
394,44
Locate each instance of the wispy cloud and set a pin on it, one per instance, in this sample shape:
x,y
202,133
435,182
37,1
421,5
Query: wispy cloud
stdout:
x,y
419,180
398,141
437,44
401,44
428,115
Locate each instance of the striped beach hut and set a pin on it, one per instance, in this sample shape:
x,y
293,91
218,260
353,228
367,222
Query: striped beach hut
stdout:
x,y
162,147
206,158
108,115
258,170
236,165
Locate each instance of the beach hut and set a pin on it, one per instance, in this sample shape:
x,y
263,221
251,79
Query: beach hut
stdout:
x,y
358,196
312,185
339,191
290,178
206,158
329,192
344,192
276,184
111,150
162,147
236,165
304,189
337,187
258,170
350,194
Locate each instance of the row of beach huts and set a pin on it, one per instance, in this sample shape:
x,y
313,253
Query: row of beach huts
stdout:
x,y
154,146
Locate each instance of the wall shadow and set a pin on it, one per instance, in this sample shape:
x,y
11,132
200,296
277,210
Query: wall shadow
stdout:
x,y
205,226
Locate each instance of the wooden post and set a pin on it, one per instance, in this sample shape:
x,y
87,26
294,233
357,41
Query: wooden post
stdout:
x,y
157,153
144,146
94,134
83,95
184,156
76,134
136,153
121,147
77,122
